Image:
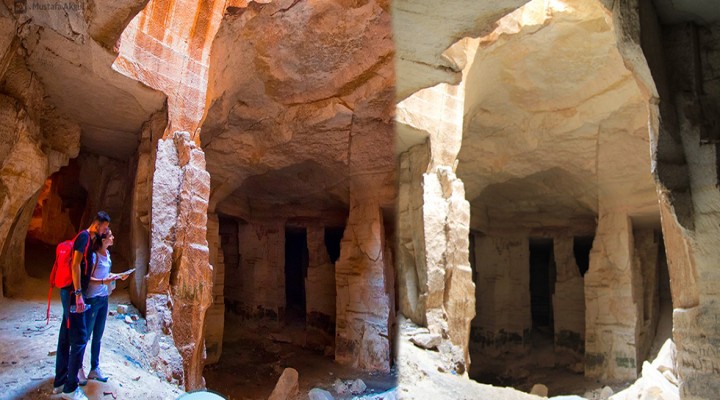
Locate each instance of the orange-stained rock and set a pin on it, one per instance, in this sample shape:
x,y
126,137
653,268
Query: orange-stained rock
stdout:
x,y
166,46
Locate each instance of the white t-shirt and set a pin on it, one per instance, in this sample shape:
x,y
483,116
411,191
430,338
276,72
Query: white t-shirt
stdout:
x,y
102,271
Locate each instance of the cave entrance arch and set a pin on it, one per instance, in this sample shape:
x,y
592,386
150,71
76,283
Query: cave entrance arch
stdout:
x,y
60,208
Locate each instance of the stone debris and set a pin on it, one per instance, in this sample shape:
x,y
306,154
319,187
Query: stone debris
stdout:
x,y
657,381
122,309
427,341
287,386
389,395
128,320
606,392
665,360
354,387
539,390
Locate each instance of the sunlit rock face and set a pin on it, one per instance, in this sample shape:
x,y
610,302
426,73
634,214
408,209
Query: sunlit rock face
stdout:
x,y
423,32
554,123
166,47
298,131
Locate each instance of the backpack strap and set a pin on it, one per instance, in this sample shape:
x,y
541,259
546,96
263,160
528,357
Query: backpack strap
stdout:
x,y
97,258
87,246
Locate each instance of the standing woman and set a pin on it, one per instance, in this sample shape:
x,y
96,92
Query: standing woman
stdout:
x,y
97,295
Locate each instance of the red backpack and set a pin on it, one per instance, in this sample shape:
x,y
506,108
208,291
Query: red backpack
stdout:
x,y
61,275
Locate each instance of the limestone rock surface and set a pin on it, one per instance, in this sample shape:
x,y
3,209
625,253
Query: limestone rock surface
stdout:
x,y
166,46
180,276
303,101
72,52
558,139
287,386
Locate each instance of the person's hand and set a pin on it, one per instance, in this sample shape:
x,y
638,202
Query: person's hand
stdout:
x,y
124,276
79,304
112,277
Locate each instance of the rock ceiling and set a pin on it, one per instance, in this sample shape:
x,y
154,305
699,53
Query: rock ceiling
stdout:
x,y
71,53
299,103
554,123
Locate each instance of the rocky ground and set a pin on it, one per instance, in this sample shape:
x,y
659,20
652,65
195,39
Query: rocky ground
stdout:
x,y
27,351
256,354
421,378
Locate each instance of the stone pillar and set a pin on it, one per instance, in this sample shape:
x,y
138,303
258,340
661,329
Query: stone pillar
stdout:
x,y
568,301
612,308
503,294
646,254
262,270
435,279
179,284
215,316
363,296
320,289
410,244
141,202
435,223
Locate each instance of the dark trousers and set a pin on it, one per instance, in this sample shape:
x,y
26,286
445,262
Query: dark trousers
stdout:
x,y
71,345
95,323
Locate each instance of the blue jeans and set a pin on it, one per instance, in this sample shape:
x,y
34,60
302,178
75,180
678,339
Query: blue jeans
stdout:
x,y
71,345
95,322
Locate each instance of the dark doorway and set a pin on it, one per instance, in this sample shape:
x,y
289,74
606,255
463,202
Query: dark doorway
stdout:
x,y
542,283
333,237
296,264
230,245
581,248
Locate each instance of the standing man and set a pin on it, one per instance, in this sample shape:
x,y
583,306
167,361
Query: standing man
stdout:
x,y
73,335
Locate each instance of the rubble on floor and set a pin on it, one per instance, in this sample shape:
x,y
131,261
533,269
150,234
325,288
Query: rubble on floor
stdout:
x,y
659,378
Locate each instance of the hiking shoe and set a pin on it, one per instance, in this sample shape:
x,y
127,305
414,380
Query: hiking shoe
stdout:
x,y
97,375
78,394
82,379
58,389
